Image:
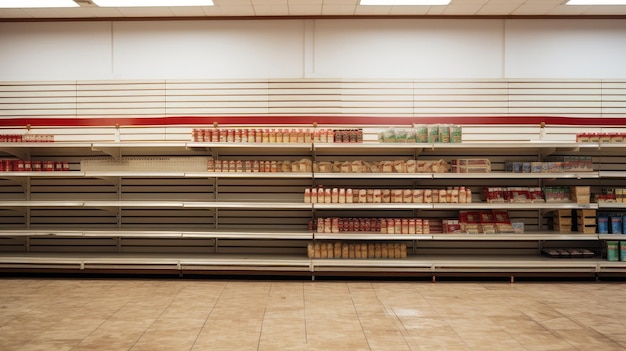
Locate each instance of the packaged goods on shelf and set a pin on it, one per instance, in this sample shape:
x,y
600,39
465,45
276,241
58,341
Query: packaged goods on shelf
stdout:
x,y
347,136
568,253
356,250
260,166
373,225
611,195
34,166
612,250
485,222
431,133
148,164
514,195
474,165
562,220
26,138
558,165
387,166
273,135
451,226
581,194
341,195
558,194
600,137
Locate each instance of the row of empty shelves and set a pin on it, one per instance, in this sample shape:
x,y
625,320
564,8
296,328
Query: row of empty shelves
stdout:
x,y
416,264
307,235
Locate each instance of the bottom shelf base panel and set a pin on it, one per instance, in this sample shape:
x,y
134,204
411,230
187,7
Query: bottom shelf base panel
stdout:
x,y
294,265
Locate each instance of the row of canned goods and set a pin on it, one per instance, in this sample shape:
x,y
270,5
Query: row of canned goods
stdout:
x,y
272,136
26,138
376,225
34,166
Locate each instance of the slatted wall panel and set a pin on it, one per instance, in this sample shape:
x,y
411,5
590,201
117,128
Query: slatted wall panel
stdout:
x,y
405,98
560,98
37,99
306,98
613,99
124,99
185,98
474,98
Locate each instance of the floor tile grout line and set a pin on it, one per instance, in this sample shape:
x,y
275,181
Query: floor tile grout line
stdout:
x,y
555,332
269,291
398,322
445,318
306,334
101,324
356,311
209,315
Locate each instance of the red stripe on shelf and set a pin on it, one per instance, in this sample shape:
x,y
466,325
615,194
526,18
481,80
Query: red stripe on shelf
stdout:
x,y
307,120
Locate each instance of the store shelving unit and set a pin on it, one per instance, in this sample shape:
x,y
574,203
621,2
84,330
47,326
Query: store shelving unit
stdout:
x,y
225,222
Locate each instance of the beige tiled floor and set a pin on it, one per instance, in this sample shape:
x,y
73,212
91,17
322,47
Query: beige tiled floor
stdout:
x,y
110,314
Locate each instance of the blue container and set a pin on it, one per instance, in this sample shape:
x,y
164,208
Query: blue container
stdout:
x,y
616,225
603,225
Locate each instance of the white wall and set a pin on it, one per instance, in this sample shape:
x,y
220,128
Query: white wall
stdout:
x,y
430,49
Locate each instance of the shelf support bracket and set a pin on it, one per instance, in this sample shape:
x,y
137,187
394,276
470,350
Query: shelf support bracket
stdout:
x,y
22,154
22,181
114,152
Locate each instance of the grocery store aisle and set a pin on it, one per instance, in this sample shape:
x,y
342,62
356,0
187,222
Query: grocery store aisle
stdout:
x,y
120,314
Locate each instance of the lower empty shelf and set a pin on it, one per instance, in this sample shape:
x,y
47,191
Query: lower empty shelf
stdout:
x,y
299,265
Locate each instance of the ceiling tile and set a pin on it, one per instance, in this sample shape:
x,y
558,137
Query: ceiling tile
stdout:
x,y
498,8
269,2
271,10
568,10
232,2
436,10
235,10
463,9
190,11
341,2
305,2
146,11
305,10
534,8
373,10
73,12
605,10
338,10
409,10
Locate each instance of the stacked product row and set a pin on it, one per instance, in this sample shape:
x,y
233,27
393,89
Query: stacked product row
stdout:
x,y
34,166
600,137
484,222
536,194
342,195
432,133
369,225
255,166
356,250
611,195
566,164
273,136
616,250
388,166
26,138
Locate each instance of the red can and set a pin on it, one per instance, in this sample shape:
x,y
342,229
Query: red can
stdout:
x,y
36,166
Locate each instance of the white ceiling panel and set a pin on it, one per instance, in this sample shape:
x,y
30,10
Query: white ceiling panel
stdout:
x,y
316,8
409,10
